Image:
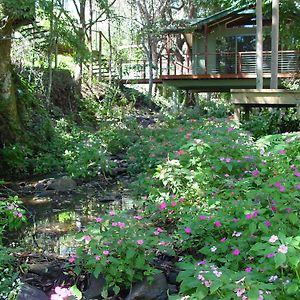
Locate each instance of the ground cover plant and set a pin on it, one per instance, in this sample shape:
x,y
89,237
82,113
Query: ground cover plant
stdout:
x,y
12,217
226,207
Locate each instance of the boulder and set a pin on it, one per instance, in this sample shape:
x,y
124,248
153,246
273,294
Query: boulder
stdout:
x,y
29,292
155,290
95,287
63,184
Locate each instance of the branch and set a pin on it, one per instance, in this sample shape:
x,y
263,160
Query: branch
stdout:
x,y
100,16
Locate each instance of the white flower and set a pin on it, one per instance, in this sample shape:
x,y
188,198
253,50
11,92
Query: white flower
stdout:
x,y
213,249
273,239
273,278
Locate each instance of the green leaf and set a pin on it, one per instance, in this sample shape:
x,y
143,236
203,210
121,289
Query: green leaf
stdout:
x,y
252,227
97,270
280,259
116,289
292,288
293,219
76,292
201,292
253,294
294,260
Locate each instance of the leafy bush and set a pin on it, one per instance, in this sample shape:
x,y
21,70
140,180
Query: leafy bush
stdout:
x,y
120,247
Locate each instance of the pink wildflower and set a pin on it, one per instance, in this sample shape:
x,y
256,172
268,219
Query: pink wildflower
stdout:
x,y
173,203
267,223
188,230
140,242
112,213
283,249
270,255
98,220
202,217
106,252
273,239
138,217
298,186
282,189
277,184
297,174
218,224
180,152
202,262
282,152
255,173
163,206
236,252
72,259
226,175
222,240
98,257
87,238
248,269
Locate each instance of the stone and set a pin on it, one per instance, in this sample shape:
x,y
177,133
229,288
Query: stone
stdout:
x,y
29,292
171,277
46,269
95,287
62,184
173,289
155,290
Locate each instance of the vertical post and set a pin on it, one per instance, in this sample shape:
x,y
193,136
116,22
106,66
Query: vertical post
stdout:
x,y
275,42
206,48
144,69
168,54
160,66
100,56
259,45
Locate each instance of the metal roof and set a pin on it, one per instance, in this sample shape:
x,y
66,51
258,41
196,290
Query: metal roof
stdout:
x,y
191,25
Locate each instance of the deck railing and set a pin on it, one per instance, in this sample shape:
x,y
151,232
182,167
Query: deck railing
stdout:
x,y
210,63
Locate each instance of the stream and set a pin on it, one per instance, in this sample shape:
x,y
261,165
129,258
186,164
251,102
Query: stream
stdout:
x,y
55,216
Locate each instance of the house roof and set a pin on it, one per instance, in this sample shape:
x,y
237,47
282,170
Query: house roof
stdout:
x,y
228,14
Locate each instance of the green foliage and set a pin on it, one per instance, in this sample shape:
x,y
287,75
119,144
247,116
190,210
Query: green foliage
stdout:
x,y
266,121
120,247
231,207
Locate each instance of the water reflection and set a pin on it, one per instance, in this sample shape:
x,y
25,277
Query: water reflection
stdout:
x,y
54,220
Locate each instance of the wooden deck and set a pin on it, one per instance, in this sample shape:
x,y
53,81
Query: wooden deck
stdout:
x,y
218,72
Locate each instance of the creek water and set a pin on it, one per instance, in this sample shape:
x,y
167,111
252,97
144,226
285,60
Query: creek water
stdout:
x,y
54,219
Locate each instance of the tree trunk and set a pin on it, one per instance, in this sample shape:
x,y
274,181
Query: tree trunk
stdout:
x,y
9,118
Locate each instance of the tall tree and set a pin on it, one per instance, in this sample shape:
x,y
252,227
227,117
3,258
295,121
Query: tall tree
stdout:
x,y
13,14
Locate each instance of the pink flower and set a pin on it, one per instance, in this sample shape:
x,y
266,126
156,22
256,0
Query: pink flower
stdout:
x,y
282,152
163,206
273,239
180,152
98,220
188,230
98,257
140,242
181,199
267,223
112,213
173,203
236,252
297,174
270,255
218,224
114,224
222,240
289,210
202,262
138,217
249,216
213,249
87,238
20,215
121,225
226,175
202,217
248,269
255,173
298,186
283,249
72,259
230,129
277,184
282,189
106,252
